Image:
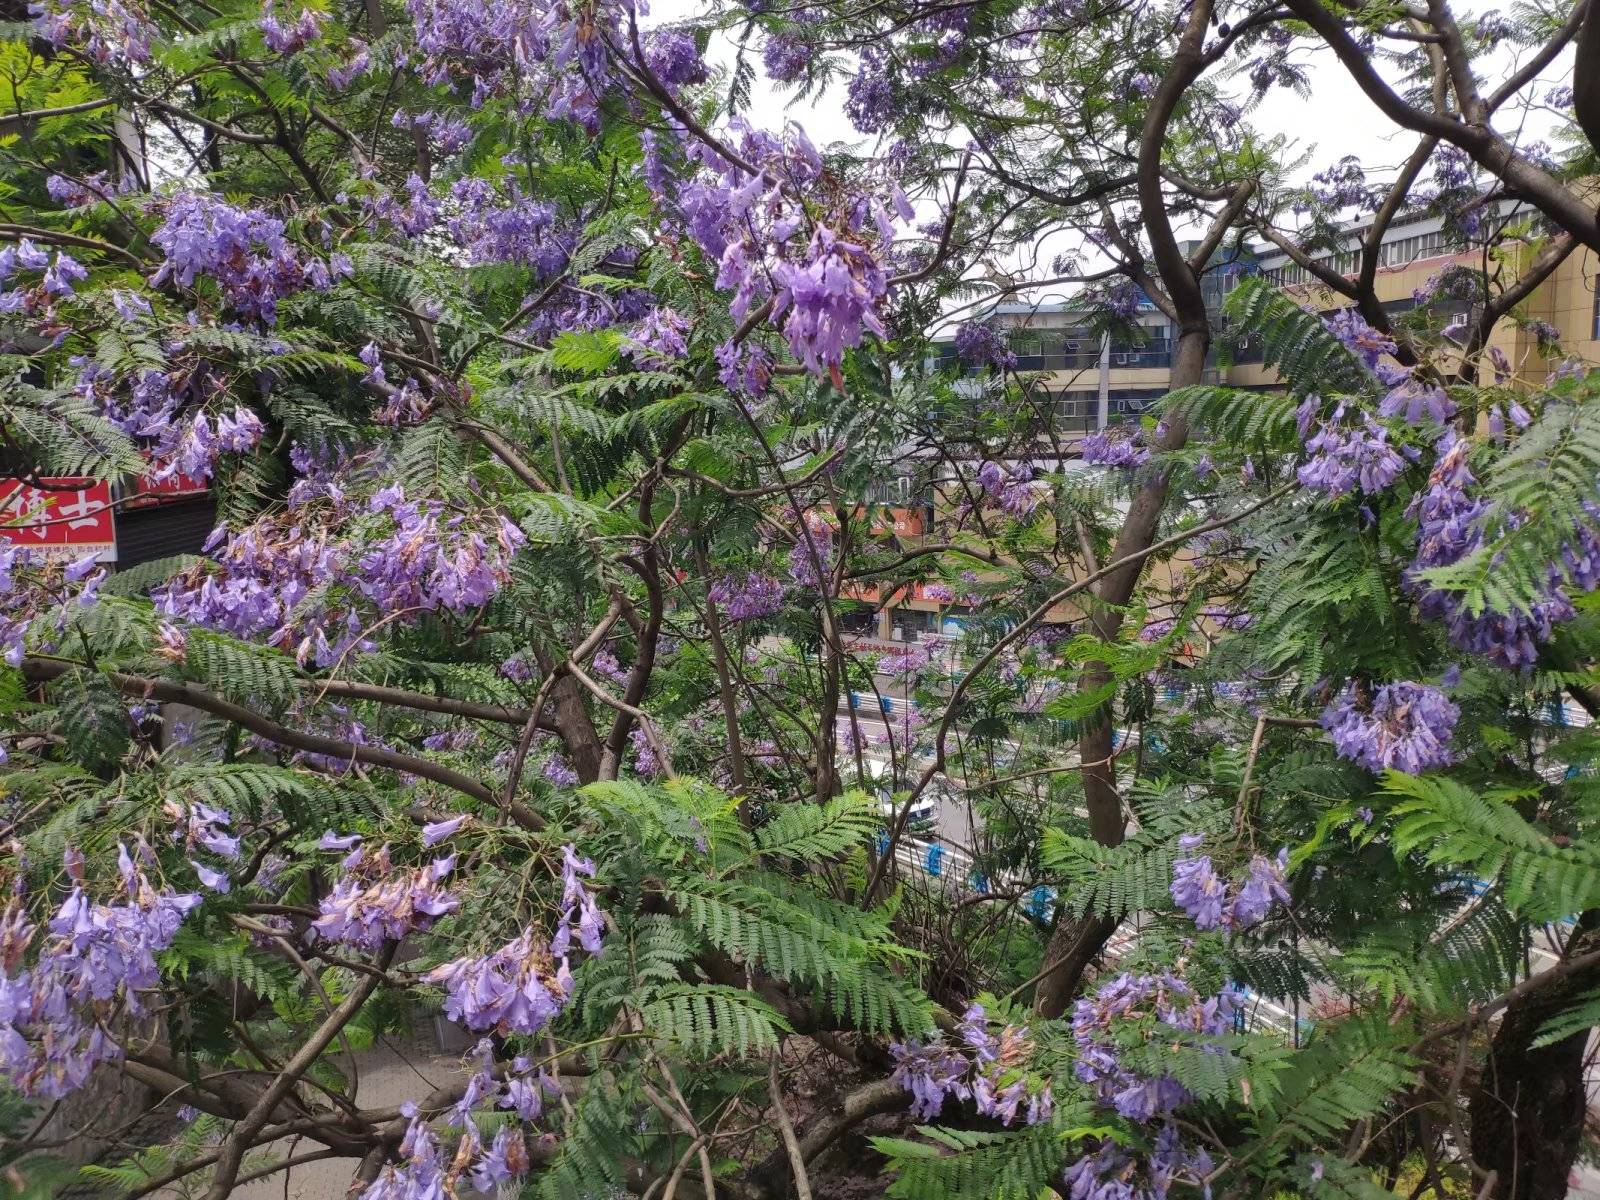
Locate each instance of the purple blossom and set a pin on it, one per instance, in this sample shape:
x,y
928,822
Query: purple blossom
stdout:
x,y
52,1027
435,832
1212,903
293,37
1262,890
673,58
869,100
974,1069
979,344
1196,887
786,56
658,341
1361,339
645,760
374,903
807,554
500,227
747,597
217,881
1342,459
1344,185
1405,727
244,250
1416,400
396,555
111,31
1138,1002
743,367
1014,489
1111,1174
518,988
341,77
559,772
1450,526
830,299
1113,448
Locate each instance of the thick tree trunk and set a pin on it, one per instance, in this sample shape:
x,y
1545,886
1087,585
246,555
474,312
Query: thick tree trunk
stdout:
x,y
1076,943
1586,75
1528,1108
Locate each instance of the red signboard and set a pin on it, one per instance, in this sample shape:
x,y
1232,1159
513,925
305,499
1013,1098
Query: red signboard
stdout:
x,y
153,491
68,516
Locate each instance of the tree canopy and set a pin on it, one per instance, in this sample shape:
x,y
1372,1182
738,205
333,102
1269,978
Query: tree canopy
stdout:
x,y
567,408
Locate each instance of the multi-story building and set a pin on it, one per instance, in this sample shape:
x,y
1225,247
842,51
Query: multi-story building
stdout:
x,y
1416,250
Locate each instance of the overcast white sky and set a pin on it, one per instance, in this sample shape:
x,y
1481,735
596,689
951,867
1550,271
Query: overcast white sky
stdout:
x,y
1337,120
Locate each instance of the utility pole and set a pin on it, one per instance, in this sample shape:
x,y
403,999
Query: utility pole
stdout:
x,y
1103,413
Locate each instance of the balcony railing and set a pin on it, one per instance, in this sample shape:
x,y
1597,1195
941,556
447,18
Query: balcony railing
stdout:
x,y
1153,354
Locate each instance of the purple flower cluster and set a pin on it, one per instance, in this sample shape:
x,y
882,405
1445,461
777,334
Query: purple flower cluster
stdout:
x,y
1212,903
750,596
1450,523
1160,1006
786,56
673,58
1361,339
827,290
358,64
869,98
1405,727
374,902
243,250
980,344
52,1026
449,133
425,1172
987,1068
1341,458
110,31
1410,396
559,771
399,556
1014,489
645,759
1111,1174
744,367
830,298
508,228
523,985
165,412
552,50
60,276
294,36
658,340
1344,185
808,554
1114,448
91,189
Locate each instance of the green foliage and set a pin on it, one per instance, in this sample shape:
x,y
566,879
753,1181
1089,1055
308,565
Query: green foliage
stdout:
x,y
1447,822
1308,357
246,673
956,1164
706,1020
594,1142
1348,1071
841,962
808,833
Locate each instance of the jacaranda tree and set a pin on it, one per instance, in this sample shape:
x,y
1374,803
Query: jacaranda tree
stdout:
x,y
547,383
